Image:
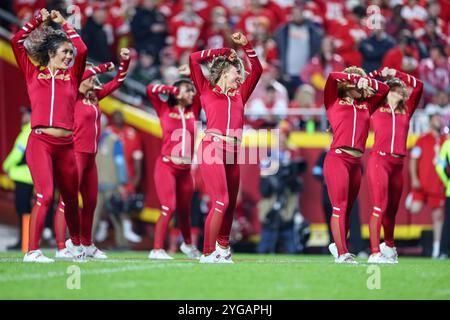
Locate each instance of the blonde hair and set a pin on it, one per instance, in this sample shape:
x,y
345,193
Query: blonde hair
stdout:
x,y
343,86
220,65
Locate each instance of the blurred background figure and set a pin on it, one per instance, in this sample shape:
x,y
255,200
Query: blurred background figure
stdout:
x,y
426,186
112,202
282,223
15,165
297,41
148,28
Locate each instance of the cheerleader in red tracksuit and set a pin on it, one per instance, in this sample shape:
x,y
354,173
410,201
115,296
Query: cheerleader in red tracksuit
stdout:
x,y
86,138
53,88
385,163
349,105
223,98
174,183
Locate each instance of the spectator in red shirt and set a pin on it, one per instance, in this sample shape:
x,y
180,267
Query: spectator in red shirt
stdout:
x,y
217,34
248,19
317,70
185,29
348,33
435,72
265,47
405,56
414,13
26,9
427,187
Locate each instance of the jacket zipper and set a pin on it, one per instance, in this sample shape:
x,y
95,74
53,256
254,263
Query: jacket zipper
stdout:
x,y
96,128
393,128
183,139
52,102
229,117
354,125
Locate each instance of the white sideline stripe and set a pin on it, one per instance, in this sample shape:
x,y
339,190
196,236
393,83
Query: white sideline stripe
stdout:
x,y
55,274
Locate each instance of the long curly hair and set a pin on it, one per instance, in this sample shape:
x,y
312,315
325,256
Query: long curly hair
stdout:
x,y
220,65
344,85
43,43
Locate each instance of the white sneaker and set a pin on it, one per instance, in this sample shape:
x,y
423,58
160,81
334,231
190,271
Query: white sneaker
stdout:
x,y
93,252
333,250
379,258
436,250
102,231
215,257
389,253
190,250
36,256
159,254
225,253
346,258
78,254
63,254
128,232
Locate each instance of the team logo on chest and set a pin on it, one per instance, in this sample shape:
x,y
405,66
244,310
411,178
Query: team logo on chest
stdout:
x,y
388,110
65,77
358,106
187,116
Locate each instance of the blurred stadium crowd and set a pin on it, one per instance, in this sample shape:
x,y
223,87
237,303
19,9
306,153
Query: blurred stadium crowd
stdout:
x,y
299,42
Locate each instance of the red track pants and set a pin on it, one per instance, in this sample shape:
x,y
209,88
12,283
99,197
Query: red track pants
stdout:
x,y
385,177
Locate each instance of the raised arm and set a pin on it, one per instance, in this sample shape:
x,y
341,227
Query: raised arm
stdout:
x,y
102,68
80,53
380,90
117,81
153,91
255,73
331,86
410,81
20,53
195,61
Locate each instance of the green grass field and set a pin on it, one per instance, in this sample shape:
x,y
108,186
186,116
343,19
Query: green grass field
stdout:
x,y
130,275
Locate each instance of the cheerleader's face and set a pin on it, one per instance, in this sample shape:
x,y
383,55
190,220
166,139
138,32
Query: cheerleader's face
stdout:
x,y
187,93
88,84
63,56
233,78
354,93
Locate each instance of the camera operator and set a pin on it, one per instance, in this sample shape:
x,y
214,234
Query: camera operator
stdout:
x,y
280,187
113,197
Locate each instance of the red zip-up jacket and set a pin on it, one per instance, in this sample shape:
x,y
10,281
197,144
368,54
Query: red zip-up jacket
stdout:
x,y
350,122
52,96
87,111
391,127
178,124
224,110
